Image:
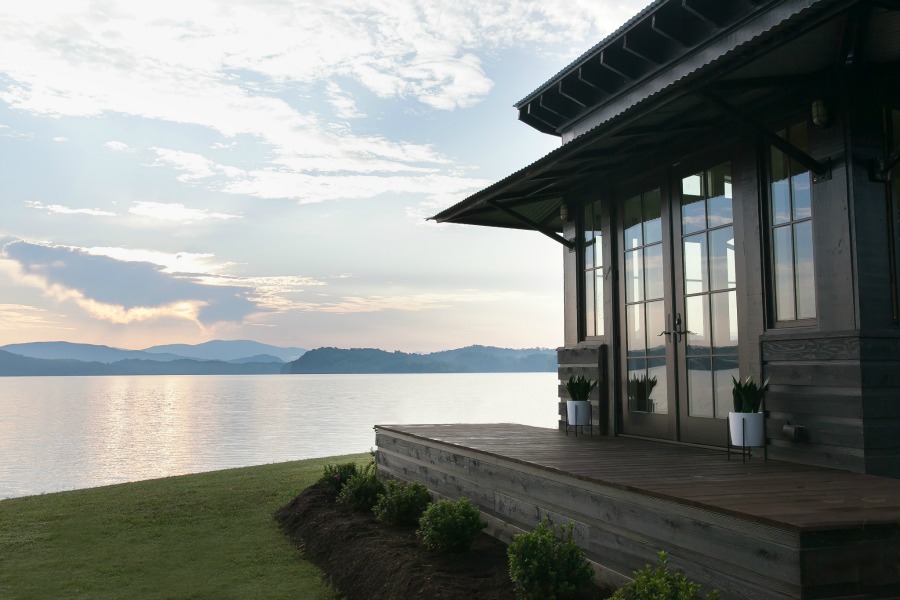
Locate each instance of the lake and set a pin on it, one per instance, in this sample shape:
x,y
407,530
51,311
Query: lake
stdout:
x,y
63,433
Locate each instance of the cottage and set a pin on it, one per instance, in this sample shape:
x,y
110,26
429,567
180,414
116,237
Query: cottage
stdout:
x,y
727,200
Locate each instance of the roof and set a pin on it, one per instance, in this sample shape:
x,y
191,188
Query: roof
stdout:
x,y
753,55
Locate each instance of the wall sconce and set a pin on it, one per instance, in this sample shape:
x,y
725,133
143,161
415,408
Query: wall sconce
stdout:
x,y
820,114
564,212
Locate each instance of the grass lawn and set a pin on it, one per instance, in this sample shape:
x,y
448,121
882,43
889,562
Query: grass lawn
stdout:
x,y
209,535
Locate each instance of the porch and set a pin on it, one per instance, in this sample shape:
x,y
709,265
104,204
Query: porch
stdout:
x,y
752,530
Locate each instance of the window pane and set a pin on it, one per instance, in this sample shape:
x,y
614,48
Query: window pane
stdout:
x,y
656,323
652,220
636,334
632,220
697,324
598,249
653,272
781,195
693,214
805,271
589,317
724,323
784,274
636,387
718,206
700,387
695,264
634,281
589,254
800,192
656,385
726,367
721,259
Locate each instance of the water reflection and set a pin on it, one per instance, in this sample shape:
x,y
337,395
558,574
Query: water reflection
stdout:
x,y
61,433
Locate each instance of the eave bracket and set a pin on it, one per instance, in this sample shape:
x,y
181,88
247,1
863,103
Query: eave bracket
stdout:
x,y
532,225
880,168
821,170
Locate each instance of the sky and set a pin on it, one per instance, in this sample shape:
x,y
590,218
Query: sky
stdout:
x,y
177,172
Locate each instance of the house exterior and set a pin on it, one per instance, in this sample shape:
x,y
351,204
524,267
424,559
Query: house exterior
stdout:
x,y
727,199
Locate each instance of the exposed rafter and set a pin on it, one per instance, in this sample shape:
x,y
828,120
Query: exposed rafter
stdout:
x,y
532,224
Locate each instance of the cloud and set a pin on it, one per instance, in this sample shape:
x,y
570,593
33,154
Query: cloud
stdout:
x,y
67,210
176,212
122,291
179,262
247,71
20,316
60,139
116,146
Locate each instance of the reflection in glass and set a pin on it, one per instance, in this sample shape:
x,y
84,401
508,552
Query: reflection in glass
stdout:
x,y
724,322
693,214
634,281
801,196
632,220
700,385
593,270
589,305
656,382
720,211
653,271
697,323
598,291
637,386
784,274
726,367
634,316
652,217
721,257
695,264
805,270
656,324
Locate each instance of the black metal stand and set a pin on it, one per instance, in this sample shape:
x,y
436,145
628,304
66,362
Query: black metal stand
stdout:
x,y
590,420
746,453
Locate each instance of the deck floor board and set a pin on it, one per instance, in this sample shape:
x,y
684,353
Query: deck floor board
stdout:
x,y
774,493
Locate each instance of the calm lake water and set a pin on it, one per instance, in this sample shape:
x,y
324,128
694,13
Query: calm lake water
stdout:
x,y
63,433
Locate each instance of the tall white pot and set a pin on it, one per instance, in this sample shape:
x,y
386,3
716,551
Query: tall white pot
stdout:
x,y
579,412
747,429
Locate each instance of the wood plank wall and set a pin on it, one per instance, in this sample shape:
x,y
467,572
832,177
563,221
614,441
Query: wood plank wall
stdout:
x,y
844,389
593,363
620,530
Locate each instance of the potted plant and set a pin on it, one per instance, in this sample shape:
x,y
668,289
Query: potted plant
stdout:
x,y
578,409
639,389
745,424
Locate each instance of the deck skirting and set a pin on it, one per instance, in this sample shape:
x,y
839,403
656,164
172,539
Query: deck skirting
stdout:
x,y
622,527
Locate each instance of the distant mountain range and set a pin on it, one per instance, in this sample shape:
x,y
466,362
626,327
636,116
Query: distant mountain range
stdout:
x,y
228,357
472,359
238,357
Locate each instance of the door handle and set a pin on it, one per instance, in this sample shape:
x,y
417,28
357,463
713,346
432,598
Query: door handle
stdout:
x,y
678,331
666,332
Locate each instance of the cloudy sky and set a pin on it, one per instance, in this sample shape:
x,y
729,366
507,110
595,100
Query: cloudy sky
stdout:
x,y
175,172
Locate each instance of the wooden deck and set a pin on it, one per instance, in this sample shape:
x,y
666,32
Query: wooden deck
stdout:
x,y
753,530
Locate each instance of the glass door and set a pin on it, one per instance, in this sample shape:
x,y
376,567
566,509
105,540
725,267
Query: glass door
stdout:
x,y
679,308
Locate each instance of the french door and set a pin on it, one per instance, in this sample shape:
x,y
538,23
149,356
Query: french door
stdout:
x,y
678,299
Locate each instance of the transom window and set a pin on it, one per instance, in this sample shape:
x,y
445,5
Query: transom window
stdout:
x,y
790,218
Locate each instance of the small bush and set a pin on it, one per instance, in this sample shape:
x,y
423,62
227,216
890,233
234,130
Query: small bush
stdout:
x,y
361,491
548,564
335,476
660,584
402,503
448,526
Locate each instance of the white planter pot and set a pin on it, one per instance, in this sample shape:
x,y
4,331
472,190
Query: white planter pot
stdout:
x,y
579,412
746,429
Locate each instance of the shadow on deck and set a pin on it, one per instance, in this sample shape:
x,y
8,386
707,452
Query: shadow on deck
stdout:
x,y
753,530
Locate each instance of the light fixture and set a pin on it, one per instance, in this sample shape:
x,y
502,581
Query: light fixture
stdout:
x,y
820,114
564,212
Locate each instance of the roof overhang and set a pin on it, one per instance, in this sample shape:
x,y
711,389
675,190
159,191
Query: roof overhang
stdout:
x,y
746,60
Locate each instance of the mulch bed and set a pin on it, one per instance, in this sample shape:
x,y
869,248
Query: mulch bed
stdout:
x,y
366,560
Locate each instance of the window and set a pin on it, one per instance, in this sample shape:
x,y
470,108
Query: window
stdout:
x,y
790,219
593,271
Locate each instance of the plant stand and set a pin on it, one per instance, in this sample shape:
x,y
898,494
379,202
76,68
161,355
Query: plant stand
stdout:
x,y
746,453
576,425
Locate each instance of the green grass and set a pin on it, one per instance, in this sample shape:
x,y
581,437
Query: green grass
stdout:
x,y
209,535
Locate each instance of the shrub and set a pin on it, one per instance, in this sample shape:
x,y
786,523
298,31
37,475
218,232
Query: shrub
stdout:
x,y
402,503
548,564
335,476
660,584
361,491
448,526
